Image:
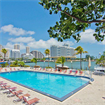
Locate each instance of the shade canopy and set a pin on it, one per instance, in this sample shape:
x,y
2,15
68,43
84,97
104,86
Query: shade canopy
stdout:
x,y
2,62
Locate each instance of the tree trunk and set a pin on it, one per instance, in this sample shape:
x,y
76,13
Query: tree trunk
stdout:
x,y
4,57
35,64
80,61
62,65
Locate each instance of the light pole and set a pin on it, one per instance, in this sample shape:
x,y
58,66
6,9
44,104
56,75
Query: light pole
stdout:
x,y
9,63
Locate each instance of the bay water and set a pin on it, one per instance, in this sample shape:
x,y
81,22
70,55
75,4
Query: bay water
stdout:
x,y
73,65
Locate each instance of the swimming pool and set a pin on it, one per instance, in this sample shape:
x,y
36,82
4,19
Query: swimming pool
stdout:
x,y
57,86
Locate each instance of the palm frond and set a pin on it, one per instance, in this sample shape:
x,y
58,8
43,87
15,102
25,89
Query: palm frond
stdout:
x,y
85,52
76,53
47,52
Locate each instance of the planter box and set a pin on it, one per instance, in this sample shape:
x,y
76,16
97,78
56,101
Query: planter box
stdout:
x,y
36,66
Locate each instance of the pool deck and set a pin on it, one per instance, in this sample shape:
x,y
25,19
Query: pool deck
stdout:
x,y
90,95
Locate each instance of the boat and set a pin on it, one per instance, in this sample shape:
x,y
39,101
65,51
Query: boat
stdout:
x,y
60,66
99,70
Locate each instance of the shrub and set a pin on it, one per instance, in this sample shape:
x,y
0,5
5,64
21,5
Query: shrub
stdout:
x,y
4,65
14,65
48,67
26,66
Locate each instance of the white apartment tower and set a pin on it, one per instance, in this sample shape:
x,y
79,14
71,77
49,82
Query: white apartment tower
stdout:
x,y
37,54
15,53
65,50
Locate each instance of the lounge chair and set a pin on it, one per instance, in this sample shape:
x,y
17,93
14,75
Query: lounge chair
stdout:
x,y
15,93
65,71
5,87
10,69
56,70
18,69
46,69
3,84
14,69
31,101
1,69
50,70
76,72
40,68
70,72
60,71
5,70
10,90
81,72
20,98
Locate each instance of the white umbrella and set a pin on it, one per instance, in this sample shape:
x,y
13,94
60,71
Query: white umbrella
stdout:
x,y
89,63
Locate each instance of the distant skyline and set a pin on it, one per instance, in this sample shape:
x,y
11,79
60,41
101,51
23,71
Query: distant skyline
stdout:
x,y
25,22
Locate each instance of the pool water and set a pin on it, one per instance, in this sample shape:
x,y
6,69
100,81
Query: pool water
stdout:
x,y
54,85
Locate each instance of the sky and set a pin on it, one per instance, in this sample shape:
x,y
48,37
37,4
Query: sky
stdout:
x,y
26,22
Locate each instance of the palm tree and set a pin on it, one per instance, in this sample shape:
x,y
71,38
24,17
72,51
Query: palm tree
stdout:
x,y
0,56
61,60
47,52
4,51
80,50
15,62
43,59
21,64
34,60
101,60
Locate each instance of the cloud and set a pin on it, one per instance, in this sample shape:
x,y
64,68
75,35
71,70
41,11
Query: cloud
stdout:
x,y
87,36
22,39
32,43
10,46
46,44
102,43
15,31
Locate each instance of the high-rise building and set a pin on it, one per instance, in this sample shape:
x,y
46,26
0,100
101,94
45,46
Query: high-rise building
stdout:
x,y
40,55
54,50
37,54
17,46
65,50
15,53
1,54
27,49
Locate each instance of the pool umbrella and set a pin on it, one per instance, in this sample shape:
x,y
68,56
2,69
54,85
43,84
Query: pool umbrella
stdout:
x,y
89,63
